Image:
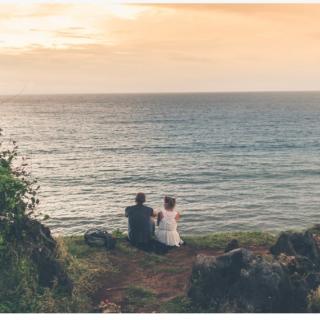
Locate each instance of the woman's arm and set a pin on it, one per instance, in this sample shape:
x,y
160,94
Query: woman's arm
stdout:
x,y
177,217
160,217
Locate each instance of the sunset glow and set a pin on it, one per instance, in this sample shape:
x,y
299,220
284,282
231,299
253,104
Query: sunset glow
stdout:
x,y
96,47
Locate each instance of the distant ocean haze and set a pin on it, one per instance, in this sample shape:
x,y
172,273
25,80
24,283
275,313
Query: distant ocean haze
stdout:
x,y
234,161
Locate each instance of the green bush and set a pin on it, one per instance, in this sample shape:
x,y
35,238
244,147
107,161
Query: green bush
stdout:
x,y
18,191
20,290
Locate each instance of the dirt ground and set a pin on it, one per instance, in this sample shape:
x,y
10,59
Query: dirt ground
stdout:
x,y
145,282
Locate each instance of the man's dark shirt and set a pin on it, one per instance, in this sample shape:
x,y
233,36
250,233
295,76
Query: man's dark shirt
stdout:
x,y
139,223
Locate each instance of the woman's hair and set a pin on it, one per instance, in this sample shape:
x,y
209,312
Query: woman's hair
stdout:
x,y
140,198
169,202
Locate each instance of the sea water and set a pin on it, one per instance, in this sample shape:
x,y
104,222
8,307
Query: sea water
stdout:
x,y
234,161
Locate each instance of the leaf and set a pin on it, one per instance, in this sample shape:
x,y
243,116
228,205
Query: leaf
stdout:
x,y
46,217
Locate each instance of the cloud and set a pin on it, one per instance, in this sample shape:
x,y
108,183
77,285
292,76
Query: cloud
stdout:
x,y
92,48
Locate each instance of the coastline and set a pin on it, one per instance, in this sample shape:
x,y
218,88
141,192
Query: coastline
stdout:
x,y
137,281
43,273
133,281
129,280
124,279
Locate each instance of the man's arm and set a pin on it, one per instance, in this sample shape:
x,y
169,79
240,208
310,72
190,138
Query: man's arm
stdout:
x,y
126,212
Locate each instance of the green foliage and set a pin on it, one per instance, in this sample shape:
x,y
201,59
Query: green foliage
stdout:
x,y
174,270
18,274
177,305
11,192
219,240
137,297
76,247
18,191
127,248
87,266
153,261
20,290
118,234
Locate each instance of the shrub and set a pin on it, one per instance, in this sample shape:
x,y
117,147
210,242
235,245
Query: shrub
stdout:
x,y
18,191
20,289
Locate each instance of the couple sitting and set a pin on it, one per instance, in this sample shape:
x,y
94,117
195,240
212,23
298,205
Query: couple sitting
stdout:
x,y
141,225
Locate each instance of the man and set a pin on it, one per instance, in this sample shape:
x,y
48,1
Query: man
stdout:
x,y
140,222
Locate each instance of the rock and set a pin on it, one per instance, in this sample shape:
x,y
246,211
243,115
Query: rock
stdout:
x,y
304,260
107,306
298,244
37,241
314,298
313,280
242,282
239,281
315,228
297,264
283,245
288,262
233,244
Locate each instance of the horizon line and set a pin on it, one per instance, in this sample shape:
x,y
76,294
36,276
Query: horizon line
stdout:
x,y
160,92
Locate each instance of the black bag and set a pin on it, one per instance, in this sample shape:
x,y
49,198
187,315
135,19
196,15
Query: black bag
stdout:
x,y
99,238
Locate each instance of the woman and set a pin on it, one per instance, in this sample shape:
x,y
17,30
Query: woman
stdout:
x,y
167,221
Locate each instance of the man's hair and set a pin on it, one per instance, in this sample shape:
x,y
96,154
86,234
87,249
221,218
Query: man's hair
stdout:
x,y
170,202
140,198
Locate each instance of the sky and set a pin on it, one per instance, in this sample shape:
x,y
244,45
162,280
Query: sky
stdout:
x,y
97,47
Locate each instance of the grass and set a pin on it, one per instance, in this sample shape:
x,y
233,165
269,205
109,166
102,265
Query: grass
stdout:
x,y
90,269
79,249
21,292
180,304
85,264
153,261
174,270
76,246
125,247
219,240
138,297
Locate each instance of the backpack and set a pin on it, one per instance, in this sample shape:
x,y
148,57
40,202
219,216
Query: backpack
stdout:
x,y
99,238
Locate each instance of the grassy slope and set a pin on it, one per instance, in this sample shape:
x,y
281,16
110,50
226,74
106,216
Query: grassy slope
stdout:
x,y
145,282
219,240
124,278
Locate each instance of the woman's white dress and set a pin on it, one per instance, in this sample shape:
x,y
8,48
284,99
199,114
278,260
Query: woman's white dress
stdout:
x,y
167,231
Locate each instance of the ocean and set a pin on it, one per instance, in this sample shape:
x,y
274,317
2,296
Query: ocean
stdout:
x,y
234,161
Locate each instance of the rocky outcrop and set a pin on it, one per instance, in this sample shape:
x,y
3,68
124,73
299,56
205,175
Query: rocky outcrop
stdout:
x,y
302,246
44,255
297,244
299,254
36,241
239,281
233,244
